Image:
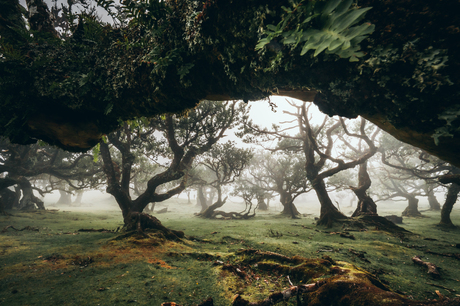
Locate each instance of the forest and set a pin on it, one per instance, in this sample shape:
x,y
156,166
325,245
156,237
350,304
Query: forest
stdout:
x,y
229,152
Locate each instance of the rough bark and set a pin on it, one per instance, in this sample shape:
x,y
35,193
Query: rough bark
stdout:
x,y
366,206
329,213
451,198
289,208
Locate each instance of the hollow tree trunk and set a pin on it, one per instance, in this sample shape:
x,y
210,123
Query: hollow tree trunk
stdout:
x,y
366,206
432,201
29,201
261,204
65,198
451,198
329,213
412,207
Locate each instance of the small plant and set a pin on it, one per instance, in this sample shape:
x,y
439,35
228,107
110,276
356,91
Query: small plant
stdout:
x,y
274,234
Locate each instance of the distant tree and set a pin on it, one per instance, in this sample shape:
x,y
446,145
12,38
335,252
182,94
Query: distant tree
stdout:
x,y
226,162
22,164
366,204
182,140
280,171
316,144
412,172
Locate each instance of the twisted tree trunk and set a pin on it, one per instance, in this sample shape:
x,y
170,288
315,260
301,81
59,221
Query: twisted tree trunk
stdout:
x,y
451,198
366,206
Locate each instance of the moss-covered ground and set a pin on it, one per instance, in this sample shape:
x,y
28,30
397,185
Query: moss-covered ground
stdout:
x,y
58,265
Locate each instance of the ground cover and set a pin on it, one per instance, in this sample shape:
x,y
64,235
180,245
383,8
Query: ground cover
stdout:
x,y
60,265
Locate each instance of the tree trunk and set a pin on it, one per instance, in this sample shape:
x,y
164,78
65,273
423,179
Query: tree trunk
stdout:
x,y
65,198
412,208
432,201
188,198
79,197
329,213
10,198
451,198
201,199
149,208
261,204
289,208
366,206
29,201
209,212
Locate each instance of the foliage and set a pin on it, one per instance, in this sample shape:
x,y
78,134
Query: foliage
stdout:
x,y
321,25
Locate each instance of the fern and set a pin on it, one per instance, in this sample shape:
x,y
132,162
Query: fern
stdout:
x,y
330,26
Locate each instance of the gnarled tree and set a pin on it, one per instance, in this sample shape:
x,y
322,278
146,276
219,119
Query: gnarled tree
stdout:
x,y
394,63
184,139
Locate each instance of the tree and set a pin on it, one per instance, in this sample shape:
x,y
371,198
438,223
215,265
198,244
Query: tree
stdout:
x,y
451,197
283,172
365,203
21,164
415,168
393,63
316,144
226,162
184,138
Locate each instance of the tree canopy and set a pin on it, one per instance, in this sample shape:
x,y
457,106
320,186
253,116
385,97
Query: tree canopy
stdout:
x,y
395,63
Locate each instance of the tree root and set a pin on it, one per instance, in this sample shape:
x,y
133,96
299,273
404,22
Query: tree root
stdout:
x,y
278,297
142,224
432,268
208,302
29,228
91,230
218,214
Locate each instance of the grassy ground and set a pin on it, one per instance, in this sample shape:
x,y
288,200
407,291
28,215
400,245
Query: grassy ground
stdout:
x,y
59,265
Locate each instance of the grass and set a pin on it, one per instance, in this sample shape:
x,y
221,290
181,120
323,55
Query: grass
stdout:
x,y
59,265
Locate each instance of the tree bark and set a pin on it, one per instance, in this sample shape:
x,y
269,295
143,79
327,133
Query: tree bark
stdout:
x,y
329,213
451,198
412,207
366,206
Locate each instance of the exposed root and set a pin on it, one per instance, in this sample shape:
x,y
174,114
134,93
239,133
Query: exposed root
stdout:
x,y
380,223
208,302
278,297
29,228
141,224
218,214
432,268
100,230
